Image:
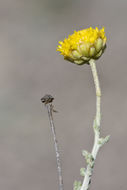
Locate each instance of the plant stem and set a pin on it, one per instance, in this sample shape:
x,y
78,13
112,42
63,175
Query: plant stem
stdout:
x,y
96,126
59,168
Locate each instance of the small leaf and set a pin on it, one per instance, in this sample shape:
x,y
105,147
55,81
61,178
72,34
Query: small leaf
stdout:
x,y
102,141
82,172
85,153
89,158
77,185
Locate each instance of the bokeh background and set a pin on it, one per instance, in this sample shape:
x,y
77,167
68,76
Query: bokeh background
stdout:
x,y
30,67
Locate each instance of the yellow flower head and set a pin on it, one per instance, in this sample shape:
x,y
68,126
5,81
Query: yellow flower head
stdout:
x,y
83,45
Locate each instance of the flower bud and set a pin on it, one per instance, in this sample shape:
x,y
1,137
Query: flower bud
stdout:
x,y
92,51
99,44
84,48
99,54
76,54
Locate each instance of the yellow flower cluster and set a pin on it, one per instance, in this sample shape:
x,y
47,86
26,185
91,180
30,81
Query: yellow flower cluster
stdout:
x,y
83,45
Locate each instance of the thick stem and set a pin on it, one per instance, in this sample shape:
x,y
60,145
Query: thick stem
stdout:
x,y
98,91
59,168
96,126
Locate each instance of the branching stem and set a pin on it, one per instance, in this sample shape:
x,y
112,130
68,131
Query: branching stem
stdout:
x,y
96,126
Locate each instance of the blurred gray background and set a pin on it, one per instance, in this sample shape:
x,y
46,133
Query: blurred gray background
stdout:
x,y
30,67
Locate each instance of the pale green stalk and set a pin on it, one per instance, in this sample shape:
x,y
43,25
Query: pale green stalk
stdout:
x,y
98,142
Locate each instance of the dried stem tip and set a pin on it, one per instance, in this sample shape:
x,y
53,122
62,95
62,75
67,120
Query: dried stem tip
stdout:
x,y
47,99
